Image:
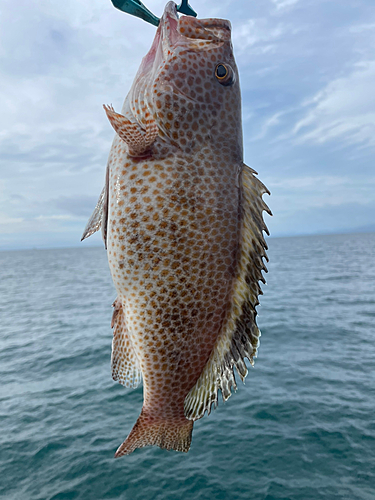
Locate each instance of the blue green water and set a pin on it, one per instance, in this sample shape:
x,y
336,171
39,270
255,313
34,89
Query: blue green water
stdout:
x,y
303,426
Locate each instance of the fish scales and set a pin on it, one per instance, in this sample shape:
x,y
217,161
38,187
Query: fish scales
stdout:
x,y
183,228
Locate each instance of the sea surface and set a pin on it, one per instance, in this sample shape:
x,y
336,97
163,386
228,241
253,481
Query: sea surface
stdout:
x,y
302,428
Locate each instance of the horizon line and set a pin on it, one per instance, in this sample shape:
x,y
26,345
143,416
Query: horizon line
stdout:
x,y
277,236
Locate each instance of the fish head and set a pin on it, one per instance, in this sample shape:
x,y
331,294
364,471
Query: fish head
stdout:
x,y
188,82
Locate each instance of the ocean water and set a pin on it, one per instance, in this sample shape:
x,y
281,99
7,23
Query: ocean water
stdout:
x,y
303,426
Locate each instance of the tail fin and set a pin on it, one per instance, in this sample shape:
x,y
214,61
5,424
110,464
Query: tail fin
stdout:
x,y
168,434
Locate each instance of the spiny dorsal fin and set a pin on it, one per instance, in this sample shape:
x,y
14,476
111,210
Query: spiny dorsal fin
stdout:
x,y
138,141
239,337
124,362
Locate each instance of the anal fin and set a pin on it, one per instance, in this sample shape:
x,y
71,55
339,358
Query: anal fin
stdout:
x,y
124,363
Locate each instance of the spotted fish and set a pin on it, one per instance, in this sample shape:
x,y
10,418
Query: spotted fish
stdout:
x,y
181,217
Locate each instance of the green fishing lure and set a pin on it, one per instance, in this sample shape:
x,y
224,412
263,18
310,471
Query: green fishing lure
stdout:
x,y
136,8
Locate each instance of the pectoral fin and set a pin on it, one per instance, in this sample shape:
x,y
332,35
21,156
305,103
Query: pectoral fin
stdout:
x,y
239,337
95,221
124,362
138,140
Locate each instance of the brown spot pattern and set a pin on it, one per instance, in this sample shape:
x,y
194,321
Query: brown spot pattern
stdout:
x,y
174,220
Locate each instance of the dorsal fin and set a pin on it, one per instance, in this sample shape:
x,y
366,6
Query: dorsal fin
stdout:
x,y
138,140
239,337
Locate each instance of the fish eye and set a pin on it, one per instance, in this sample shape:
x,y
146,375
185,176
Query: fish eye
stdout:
x,y
225,74
221,71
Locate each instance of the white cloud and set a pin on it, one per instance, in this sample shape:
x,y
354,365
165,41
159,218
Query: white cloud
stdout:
x,y
360,28
310,182
344,110
61,61
55,217
5,220
282,4
258,34
267,124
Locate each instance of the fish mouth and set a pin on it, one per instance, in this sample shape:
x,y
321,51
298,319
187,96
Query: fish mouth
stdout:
x,y
188,31
166,37
169,34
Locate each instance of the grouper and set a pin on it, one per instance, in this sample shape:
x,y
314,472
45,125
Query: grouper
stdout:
x,y
181,218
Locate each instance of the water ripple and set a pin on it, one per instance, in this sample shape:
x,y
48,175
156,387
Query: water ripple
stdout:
x,y
302,428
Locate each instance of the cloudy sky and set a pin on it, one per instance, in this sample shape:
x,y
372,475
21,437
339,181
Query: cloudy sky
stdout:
x,y
307,72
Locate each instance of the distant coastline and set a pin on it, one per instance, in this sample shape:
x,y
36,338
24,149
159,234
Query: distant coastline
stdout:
x,y
97,243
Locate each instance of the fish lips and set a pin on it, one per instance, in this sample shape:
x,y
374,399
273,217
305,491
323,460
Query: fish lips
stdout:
x,y
169,27
166,37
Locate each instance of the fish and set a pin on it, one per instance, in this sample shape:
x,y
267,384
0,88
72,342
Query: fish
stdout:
x,y
182,220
